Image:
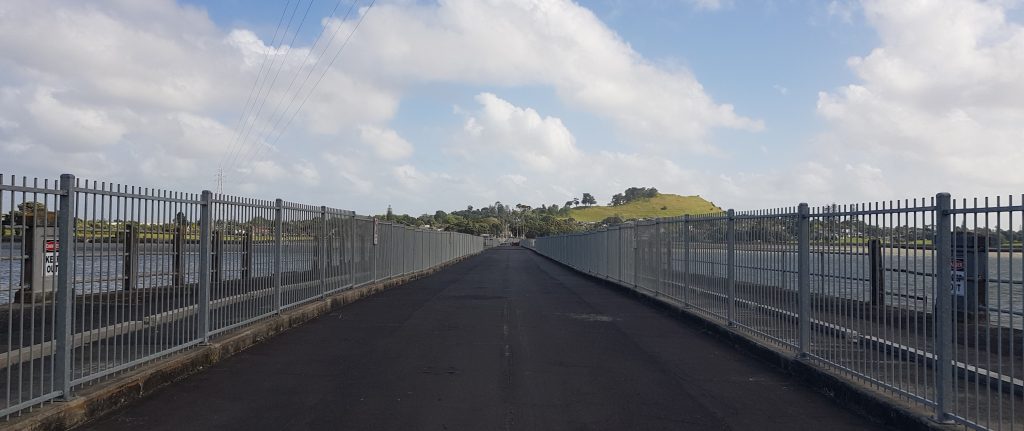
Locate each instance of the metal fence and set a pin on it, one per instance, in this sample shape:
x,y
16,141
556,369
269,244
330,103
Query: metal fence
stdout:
x,y
920,299
97,278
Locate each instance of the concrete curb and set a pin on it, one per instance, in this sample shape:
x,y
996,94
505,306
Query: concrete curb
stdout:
x,y
876,405
104,397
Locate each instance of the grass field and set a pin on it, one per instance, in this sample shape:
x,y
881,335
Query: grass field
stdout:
x,y
674,205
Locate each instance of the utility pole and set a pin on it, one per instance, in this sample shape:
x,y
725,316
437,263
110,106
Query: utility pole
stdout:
x,y
220,180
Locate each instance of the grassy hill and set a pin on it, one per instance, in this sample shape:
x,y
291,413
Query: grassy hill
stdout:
x,y
674,205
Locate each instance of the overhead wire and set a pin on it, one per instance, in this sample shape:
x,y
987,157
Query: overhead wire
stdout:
x,y
279,113
316,84
262,102
252,90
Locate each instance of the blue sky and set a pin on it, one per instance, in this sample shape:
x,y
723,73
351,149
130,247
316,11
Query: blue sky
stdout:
x,y
440,105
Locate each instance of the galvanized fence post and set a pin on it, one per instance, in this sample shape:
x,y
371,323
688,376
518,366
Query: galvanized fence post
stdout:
x,y
804,276
731,268
205,240
686,261
636,256
659,285
278,251
64,298
322,252
943,308
669,275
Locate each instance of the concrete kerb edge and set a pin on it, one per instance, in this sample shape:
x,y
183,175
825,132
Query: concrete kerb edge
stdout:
x,y
865,401
93,402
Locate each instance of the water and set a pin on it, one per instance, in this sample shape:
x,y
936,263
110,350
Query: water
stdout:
x,y
100,267
908,279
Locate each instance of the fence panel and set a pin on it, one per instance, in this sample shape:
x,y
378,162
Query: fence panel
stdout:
x,y
922,299
97,278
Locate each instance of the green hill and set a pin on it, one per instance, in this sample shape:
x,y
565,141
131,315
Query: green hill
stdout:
x,y
674,205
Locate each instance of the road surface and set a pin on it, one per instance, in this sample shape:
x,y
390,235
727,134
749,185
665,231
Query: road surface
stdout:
x,y
506,340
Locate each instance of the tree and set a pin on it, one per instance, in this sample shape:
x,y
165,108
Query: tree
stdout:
x,y
588,199
568,204
32,208
576,201
180,219
611,221
390,215
618,199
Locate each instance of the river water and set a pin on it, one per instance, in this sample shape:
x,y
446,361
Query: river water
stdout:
x,y
100,267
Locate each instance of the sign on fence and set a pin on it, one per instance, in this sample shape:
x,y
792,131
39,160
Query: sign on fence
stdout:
x,y
52,248
959,274
376,230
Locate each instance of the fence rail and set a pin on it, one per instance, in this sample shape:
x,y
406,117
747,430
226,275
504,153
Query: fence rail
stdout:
x,y
97,278
920,298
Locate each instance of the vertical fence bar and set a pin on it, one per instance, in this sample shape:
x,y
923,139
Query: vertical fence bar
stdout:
x,y
130,265
205,240
686,261
322,252
65,295
278,251
803,281
731,268
657,258
943,308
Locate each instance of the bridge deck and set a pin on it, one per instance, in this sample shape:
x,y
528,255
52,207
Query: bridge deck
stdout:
x,y
504,340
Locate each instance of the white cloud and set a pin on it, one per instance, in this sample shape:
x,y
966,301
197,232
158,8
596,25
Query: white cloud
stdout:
x,y
553,43
539,144
938,106
842,9
385,143
72,128
150,93
500,135
708,4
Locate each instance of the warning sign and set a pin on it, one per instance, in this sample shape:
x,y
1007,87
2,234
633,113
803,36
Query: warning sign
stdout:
x,y
959,275
376,235
51,249
50,264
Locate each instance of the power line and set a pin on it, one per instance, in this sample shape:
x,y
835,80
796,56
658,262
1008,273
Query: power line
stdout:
x,y
315,85
252,90
270,87
282,113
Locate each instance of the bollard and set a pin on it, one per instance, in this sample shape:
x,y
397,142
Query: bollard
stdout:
x,y
877,273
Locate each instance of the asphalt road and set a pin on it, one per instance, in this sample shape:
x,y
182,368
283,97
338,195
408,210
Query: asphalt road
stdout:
x,y
503,341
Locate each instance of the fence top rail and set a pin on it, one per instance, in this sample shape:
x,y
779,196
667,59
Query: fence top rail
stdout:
x,y
987,209
32,182
242,201
142,194
30,189
86,185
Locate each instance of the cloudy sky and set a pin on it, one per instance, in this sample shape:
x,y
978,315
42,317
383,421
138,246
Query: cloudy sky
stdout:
x,y
425,105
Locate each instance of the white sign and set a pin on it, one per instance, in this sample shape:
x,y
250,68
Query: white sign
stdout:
x,y
376,236
959,275
50,264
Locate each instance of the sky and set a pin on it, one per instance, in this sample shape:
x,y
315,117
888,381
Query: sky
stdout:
x,y
426,105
